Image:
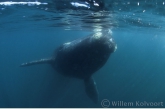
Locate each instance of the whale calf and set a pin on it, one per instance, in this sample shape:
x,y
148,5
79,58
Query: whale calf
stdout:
x,y
81,58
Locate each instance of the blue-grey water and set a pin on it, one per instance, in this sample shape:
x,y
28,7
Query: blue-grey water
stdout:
x,y
135,73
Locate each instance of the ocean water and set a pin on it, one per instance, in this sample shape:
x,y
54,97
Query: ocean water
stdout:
x,y
32,30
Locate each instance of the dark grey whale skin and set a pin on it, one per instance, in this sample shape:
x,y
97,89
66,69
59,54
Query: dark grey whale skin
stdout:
x,y
81,58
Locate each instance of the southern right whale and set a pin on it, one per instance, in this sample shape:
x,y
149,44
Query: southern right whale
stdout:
x,y
81,58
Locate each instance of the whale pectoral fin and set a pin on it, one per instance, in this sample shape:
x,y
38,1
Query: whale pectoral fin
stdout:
x,y
91,89
41,61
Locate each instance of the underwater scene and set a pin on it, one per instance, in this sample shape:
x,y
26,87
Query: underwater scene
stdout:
x,y
82,54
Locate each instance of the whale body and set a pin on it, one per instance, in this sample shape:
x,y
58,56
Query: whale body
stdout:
x,y
81,58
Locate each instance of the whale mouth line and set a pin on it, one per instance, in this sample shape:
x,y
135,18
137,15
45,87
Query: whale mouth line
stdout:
x,y
22,3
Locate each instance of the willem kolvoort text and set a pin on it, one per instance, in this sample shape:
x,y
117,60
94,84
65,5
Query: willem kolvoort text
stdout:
x,y
137,103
